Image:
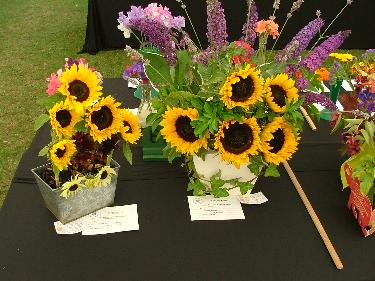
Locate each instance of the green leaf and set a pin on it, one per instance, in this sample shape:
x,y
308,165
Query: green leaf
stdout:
x,y
127,152
245,186
40,121
197,187
43,151
150,119
366,135
271,171
80,126
50,101
183,63
261,113
157,70
219,192
367,182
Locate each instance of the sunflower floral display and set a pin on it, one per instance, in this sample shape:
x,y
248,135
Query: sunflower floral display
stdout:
x,y
230,98
86,127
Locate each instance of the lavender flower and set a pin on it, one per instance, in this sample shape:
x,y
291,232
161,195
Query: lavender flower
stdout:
x,y
216,25
321,99
157,34
295,6
303,38
248,28
320,53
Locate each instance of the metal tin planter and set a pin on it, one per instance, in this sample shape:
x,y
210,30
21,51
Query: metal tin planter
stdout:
x,y
80,204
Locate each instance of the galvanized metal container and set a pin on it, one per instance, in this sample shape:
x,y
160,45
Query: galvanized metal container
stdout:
x,y
80,204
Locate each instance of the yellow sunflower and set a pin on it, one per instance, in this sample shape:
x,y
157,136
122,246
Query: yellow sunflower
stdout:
x,y
277,90
242,88
61,153
81,86
104,176
130,129
235,141
179,133
63,120
278,141
104,119
71,187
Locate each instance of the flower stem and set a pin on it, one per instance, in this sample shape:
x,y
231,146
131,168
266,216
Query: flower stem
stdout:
x,y
183,6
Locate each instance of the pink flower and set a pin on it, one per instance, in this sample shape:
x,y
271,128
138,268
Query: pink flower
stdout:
x,y
53,84
267,26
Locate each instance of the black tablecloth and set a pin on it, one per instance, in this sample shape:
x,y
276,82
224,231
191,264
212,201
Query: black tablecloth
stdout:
x,y
277,241
102,32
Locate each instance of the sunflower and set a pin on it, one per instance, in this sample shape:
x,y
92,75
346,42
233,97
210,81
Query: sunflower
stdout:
x,y
130,129
104,176
104,119
81,86
277,89
61,153
71,187
242,88
63,120
178,131
278,141
235,141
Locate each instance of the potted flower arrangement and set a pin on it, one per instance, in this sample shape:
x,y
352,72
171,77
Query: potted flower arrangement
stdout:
x,y
357,120
81,175
232,111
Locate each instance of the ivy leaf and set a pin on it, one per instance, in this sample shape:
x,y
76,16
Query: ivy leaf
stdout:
x,y
127,152
197,187
256,165
245,186
272,171
219,192
40,121
43,151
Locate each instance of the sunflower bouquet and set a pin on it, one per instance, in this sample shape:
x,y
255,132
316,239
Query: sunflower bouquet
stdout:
x,y
85,129
234,101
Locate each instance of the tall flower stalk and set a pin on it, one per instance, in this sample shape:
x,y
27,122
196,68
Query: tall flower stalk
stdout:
x,y
183,6
216,26
321,36
248,28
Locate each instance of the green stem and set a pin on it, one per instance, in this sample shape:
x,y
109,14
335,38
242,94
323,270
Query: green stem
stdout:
x,y
281,31
191,23
250,3
324,32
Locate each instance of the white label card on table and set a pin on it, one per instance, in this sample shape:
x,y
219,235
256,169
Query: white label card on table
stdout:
x,y
253,198
103,221
211,208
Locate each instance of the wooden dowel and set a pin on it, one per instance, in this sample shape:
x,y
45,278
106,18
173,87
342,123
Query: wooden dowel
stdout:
x,y
314,217
308,118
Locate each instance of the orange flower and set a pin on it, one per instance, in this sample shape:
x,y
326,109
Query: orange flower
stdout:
x,y
267,26
323,74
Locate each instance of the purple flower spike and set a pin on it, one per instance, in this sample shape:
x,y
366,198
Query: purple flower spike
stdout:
x,y
249,26
301,40
216,25
158,35
321,99
302,83
320,53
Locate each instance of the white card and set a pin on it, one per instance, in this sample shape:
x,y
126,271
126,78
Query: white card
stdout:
x,y
210,208
106,220
253,198
111,220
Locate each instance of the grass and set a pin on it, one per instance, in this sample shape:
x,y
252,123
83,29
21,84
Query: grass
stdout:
x,y
36,36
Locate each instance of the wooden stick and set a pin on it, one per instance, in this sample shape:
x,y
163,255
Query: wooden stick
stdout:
x,y
314,217
308,118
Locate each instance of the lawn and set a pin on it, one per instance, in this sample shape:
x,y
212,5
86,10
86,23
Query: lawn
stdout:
x,y
36,36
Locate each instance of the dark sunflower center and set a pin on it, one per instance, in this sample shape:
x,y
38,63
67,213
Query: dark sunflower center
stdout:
x,y
60,152
104,175
79,89
126,124
102,118
73,187
278,94
243,89
237,138
63,117
278,141
184,129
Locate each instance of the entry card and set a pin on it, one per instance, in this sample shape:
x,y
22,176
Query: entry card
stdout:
x,y
211,208
106,220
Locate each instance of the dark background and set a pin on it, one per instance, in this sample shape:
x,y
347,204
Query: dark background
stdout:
x,y
102,32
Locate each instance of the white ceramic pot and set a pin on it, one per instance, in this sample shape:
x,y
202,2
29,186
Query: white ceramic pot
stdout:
x,y
213,164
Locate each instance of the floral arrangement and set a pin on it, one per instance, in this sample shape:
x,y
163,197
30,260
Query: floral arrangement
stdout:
x,y
230,98
85,129
357,118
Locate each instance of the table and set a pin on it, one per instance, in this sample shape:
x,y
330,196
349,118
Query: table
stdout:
x,y
102,32
277,241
